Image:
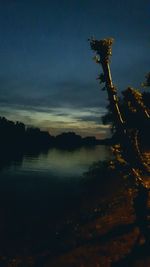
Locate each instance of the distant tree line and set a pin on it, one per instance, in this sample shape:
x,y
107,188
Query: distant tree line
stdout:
x,y
17,135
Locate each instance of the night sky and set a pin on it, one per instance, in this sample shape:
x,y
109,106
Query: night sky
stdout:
x,y
47,75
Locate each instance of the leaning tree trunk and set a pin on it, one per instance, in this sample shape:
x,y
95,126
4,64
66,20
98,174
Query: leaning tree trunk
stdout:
x,y
129,141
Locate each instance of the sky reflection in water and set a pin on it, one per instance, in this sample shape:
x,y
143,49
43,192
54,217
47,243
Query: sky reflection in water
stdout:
x,y
59,163
48,184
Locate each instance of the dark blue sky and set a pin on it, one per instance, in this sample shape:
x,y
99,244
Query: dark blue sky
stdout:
x,y
47,76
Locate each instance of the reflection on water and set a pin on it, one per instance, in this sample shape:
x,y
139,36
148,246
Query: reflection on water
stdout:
x,y
40,184
36,193
59,163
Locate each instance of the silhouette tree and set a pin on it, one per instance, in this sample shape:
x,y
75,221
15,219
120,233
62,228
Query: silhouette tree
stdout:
x,y
147,82
127,134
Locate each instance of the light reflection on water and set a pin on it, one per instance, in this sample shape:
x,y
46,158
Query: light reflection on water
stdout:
x,y
38,192
47,182
60,163
45,186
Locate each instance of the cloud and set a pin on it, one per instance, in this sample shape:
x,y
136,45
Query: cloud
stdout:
x,y
46,68
84,121
65,93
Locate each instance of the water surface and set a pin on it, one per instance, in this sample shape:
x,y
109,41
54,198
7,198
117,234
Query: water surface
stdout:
x,y
47,182
58,163
38,190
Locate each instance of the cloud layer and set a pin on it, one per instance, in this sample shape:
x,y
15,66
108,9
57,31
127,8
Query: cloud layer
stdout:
x,y
47,76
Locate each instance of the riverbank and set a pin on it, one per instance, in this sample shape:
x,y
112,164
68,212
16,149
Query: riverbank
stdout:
x,y
97,228
101,233
108,238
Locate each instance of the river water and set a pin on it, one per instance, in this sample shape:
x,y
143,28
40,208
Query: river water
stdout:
x,y
48,177
58,163
37,190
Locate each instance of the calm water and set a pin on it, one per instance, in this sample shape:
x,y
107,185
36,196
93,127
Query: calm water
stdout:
x,y
47,181
37,191
59,163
